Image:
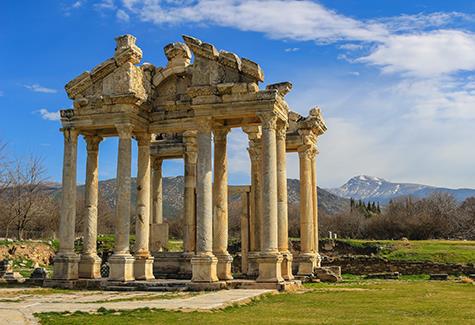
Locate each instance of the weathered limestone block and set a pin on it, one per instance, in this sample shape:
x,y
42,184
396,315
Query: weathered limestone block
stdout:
x,y
231,64
283,88
158,237
126,51
78,85
103,69
178,55
251,70
125,80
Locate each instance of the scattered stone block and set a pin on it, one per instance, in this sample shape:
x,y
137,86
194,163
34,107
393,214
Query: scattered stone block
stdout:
x,y
439,277
385,275
328,274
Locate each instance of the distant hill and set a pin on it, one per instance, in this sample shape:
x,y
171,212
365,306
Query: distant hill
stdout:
x,y
369,188
173,188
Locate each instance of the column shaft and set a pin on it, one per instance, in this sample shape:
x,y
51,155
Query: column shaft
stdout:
x,y
204,263
157,197
244,231
121,262
191,156
90,263
315,208
220,205
270,260
66,260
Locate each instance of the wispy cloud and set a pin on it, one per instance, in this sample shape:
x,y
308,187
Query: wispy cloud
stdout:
x,y
1,93
40,89
292,49
105,5
354,73
50,116
122,16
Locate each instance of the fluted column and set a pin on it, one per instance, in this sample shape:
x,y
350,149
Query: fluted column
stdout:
x,y
245,231
143,266
157,190
220,205
255,198
270,259
190,160
121,262
315,208
282,211
90,263
204,262
66,260
158,229
307,259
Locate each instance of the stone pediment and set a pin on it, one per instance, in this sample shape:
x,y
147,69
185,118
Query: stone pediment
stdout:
x,y
114,80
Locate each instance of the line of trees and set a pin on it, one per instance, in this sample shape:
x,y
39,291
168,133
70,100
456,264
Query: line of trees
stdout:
x,y
438,216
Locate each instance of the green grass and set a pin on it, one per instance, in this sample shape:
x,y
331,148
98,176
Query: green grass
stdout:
x,y
439,251
175,245
357,302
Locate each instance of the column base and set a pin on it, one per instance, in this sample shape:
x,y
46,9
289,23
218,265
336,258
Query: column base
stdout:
x,y
224,266
307,262
65,266
287,266
143,268
270,268
121,267
252,264
204,268
90,266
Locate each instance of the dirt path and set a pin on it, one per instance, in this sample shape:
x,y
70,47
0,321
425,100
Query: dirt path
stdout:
x,y
13,311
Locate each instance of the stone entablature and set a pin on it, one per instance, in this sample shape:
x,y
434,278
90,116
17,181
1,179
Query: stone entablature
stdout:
x,y
182,110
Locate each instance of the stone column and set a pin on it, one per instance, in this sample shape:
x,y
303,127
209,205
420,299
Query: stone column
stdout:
x,y
143,266
158,229
191,157
315,209
66,260
220,205
255,202
90,263
204,262
244,231
270,259
157,197
282,211
307,260
121,262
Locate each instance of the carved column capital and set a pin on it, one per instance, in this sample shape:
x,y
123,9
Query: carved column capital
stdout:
x,y
92,142
253,132
71,134
143,139
307,151
191,156
268,120
220,134
281,131
124,130
157,164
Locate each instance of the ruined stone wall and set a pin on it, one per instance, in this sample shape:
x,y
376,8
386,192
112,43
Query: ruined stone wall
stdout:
x,y
361,265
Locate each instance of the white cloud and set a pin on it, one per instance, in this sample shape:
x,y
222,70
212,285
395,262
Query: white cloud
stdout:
x,y
122,16
77,4
394,39
50,116
425,54
105,5
354,73
40,89
292,49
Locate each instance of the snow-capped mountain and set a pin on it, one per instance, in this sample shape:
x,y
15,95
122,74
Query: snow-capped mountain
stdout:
x,y
369,188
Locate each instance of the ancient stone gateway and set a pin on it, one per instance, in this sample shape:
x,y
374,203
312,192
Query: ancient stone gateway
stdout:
x,y
180,111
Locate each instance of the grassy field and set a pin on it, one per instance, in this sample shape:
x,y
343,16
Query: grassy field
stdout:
x,y
441,251
351,302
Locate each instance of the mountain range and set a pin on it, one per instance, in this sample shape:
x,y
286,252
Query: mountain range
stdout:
x,y
369,188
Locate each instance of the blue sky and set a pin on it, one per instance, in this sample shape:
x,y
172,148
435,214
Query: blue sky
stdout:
x,y
394,79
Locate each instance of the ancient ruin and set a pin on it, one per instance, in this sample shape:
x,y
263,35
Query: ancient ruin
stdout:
x,y
181,111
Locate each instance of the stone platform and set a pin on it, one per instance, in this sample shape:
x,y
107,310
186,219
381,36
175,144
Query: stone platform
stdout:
x,y
169,285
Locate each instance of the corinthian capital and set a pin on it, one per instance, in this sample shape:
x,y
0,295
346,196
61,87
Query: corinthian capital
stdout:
x,y
281,131
203,124
143,139
92,142
220,134
307,152
124,130
268,120
70,134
